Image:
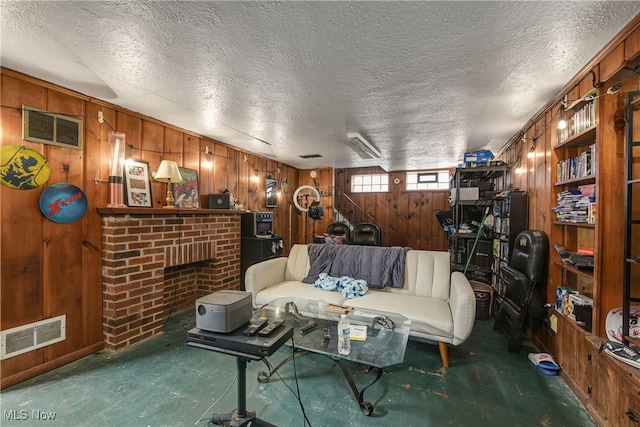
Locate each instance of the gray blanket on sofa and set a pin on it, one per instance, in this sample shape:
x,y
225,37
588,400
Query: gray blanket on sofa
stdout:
x,y
379,266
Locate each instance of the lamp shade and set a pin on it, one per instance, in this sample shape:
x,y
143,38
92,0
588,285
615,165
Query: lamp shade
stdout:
x,y
168,172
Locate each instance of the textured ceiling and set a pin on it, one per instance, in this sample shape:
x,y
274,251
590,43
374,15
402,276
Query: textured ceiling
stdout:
x,y
423,81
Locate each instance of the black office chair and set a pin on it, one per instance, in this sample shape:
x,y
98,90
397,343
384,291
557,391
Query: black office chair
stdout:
x,y
340,229
367,234
524,279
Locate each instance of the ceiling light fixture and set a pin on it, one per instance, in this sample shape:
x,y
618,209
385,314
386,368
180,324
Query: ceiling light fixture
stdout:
x,y
363,147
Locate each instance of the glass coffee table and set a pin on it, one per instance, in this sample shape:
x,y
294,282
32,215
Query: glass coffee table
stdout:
x,y
385,344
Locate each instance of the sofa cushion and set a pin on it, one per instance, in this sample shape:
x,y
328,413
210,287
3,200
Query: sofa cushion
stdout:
x,y
430,316
427,274
296,289
297,263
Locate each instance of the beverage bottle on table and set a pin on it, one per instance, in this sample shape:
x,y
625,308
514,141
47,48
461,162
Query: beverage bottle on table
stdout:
x,y
344,335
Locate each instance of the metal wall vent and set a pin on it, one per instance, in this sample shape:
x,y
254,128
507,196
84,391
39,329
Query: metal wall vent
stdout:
x,y
49,128
29,337
310,156
363,147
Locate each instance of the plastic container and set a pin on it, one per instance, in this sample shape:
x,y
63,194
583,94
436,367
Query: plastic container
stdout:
x,y
484,299
344,335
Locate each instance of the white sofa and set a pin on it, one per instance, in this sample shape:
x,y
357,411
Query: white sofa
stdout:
x,y
441,304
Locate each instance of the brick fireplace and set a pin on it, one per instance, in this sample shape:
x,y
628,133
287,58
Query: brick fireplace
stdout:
x,y
157,261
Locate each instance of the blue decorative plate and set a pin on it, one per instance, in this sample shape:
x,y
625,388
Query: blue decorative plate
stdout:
x,y
63,203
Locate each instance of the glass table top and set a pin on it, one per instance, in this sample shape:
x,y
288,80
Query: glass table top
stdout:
x,y
386,333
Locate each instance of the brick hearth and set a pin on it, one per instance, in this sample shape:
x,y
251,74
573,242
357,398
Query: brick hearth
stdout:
x,y
155,262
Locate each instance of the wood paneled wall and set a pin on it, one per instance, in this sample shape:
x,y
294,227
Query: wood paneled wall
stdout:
x,y
538,176
406,218
49,269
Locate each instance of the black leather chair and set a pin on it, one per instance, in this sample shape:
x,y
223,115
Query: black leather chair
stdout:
x,y
340,229
367,234
523,279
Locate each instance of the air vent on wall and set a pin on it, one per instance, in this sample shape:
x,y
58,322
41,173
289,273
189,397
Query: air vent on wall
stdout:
x,y
363,147
35,335
49,128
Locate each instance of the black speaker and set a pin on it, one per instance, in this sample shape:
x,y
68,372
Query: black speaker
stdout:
x,y
219,201
483,255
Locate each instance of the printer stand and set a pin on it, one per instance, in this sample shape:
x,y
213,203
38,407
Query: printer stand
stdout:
x,y
264,347
241,416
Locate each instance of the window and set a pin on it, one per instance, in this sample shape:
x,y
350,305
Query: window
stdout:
x,y
370,183
428,180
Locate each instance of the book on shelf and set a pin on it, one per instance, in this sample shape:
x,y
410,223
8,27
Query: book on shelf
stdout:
x,y
591,216
574,205
581,166
582,119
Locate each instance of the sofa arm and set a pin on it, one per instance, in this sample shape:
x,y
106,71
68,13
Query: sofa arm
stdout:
x,y
264,274
462,301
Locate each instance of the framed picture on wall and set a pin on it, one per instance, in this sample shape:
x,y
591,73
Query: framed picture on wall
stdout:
x,y
187,193
136,184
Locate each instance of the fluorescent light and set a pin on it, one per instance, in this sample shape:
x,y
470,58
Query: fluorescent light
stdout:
x,y
363,147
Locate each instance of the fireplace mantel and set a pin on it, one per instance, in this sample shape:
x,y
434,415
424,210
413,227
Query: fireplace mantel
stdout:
x,y
143,247
105,211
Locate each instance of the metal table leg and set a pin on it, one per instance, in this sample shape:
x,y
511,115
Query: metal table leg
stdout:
x,y
365,406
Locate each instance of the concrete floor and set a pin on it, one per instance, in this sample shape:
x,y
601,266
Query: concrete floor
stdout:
x,y
162,382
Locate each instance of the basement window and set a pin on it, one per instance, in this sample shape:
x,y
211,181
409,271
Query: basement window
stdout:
x,y
375,183
427,180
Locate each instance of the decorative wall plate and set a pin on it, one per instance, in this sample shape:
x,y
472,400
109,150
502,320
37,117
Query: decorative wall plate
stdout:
x,y
613,323
284,185
63,203
22,168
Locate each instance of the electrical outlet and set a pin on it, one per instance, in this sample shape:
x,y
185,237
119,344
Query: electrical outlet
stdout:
x,y
100,117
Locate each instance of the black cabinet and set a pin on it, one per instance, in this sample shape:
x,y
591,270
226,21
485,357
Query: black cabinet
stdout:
x,y
256,249
509,219
471,241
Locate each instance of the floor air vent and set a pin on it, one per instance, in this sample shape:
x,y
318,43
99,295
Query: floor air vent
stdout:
x,y
29,337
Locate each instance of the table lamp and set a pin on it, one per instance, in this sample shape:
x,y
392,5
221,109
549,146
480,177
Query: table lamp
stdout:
x,y
168,172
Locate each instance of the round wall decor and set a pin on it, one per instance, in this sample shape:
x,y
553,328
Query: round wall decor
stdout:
x,y
22,168
63,203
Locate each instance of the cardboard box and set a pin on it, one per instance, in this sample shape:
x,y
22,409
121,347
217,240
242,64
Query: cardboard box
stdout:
x,y
579,299
580,309
477,158
562,298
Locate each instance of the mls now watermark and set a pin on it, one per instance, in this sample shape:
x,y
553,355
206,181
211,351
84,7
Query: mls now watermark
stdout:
x,y
23,415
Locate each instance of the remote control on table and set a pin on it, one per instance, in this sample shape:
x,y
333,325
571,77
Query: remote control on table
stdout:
x,y
267,330
255,326
310,327
327,334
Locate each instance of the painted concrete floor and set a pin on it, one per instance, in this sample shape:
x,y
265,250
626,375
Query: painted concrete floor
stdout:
x,y
162,382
